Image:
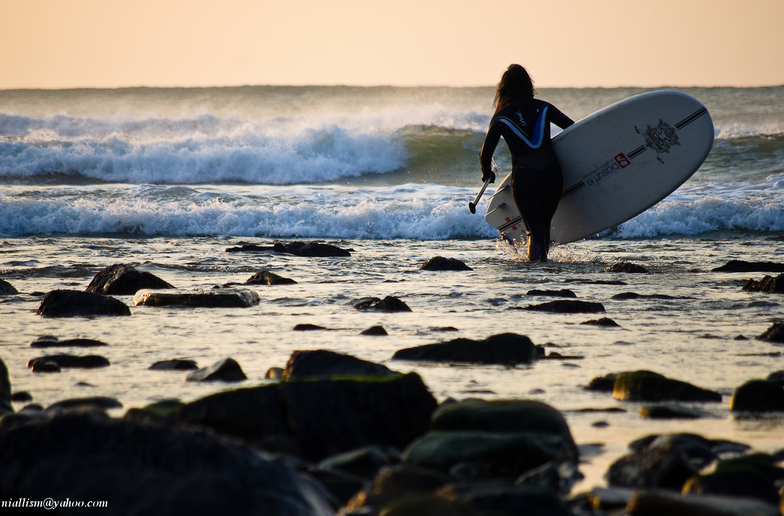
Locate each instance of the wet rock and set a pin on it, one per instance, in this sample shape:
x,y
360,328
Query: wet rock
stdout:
x,y
226,370
307,327
741,482
425,505
633,295
776,377
568,307
274,373
602,383
98,402
67,361
378,331
150,469
773,334
510,416
20,397
73,303
310,249
604,322
269,278
124,280
5,389
50,341
45,366
175,364
388,304
552,293
627,267
439,263
162,412
505,348
743,266
396,481
322,363
668,412
214,298
494,454
650,386
758,396
766,284
502,498
6,289
659,502
364,462
608,499
320,418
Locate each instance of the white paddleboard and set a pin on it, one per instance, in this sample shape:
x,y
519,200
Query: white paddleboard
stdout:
x,y
617,163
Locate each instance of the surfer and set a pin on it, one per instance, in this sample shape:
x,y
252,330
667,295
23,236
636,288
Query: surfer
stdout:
x,y
524,122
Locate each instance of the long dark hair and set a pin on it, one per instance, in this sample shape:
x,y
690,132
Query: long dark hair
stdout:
x,y
515,84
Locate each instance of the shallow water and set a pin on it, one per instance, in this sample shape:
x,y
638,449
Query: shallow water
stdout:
x,y
691,337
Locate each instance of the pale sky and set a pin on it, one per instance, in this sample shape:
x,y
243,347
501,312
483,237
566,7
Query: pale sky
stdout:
x,y
578,43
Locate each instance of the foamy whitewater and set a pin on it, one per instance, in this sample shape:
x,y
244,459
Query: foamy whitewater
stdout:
x,y
167,179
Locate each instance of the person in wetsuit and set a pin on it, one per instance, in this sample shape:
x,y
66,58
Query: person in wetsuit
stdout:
x,y
524,122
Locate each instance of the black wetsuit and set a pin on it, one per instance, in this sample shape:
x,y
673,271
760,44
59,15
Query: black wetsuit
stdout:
x,y
536,175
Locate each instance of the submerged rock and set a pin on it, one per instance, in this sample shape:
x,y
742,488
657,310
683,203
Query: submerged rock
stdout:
x,y
604,322
322,363
773,334
388,304
226,370
743,266
67,361
308,327
439,263
627,267
758,396
766,284
146,469
99,402
269,278
49,341
377,331
6,289
552,293
650,386
215,298
309,249
668,412
568,307
124,280
74,303
505,348
175,364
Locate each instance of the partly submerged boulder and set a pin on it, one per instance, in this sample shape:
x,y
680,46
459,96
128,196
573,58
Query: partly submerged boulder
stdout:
x,y
213,298
74,303
50,341
307,249
773,334
322,363
650,386
758,396
743,266
269,278
766,284
388,304
627,267
175,364
67,361
124,280
440,263
6,289
505,348
563,306
226,370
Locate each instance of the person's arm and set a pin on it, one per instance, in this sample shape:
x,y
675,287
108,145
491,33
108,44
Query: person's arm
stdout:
x,y
559,118
488,148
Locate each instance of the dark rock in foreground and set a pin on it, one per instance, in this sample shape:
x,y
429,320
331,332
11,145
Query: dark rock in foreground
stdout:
x,y
148,469
395,482
660,502
758,396
318,419
505,348
49,341
568,307
743,266
773,334
21,397
73,303
388,304
502,498
766,284
650,386
6,289
322,363
748,476
269,278
67,361
627,267
215,298
174,364
439,263
226,370
5,390
776,377
99,402
124,280
310,249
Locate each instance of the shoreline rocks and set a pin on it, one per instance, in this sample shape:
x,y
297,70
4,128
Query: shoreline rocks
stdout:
x,y
440,263
124,280
74,303
650,386
215,298
505,348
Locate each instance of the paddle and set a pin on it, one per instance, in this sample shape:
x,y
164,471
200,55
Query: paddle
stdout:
x,y
472,205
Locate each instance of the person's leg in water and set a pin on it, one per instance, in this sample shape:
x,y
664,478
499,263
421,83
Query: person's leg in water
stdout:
x,y
536,194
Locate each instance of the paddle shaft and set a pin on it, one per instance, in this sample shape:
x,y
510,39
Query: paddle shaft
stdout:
x,y
472,205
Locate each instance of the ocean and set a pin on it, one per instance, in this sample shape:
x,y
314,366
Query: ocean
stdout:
x,y
168,179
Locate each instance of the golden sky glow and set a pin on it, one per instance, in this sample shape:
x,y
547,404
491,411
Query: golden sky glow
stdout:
x,y
116,43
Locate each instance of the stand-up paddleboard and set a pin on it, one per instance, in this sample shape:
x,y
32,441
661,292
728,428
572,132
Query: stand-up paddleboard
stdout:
x,y
617,163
